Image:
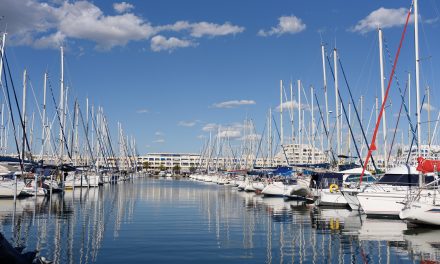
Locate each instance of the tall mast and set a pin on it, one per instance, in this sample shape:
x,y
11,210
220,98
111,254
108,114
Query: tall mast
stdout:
x,y
24,114
349,134
2,134
281,113
3,131
338,122
2,54
325,92
416,47
43,137
409,106
61,112
429,119
299,122
270,137
313,126
382,88
291,112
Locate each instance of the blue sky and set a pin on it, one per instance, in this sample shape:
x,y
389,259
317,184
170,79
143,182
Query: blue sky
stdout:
x,y
170,70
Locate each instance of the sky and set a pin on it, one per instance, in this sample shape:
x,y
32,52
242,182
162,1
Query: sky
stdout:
x,y
174,71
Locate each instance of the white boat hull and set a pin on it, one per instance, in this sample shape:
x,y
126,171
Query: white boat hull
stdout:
x,y
327,198
8,190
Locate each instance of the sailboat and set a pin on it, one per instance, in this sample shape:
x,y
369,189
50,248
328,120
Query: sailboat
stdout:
x,y
424,206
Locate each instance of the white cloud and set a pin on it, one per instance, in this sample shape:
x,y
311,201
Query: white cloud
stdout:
x,y
160,140
382,17
54,41
233,103
122,7
230,133
288,105
187,123
286,25
204,28
161,43
142,111
50,24
211,29
210,127
427,106
158,133
43,25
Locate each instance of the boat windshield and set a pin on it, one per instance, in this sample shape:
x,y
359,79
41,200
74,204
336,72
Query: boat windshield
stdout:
x,y
403,179
356,178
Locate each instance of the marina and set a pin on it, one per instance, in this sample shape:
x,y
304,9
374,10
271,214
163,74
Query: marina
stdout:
x,y
181,220
206,136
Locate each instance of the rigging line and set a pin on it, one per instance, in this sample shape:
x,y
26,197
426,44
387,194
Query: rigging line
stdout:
x,y
12,118
356,111
290,107
35,98
325,127
395,129
87,138
23,127
348,123
279,137
259,145
61,125
99,140
408,115
390,80
345,113
414,138
368,127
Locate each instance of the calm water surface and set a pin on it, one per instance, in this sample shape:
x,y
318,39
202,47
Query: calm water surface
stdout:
x,y
182,221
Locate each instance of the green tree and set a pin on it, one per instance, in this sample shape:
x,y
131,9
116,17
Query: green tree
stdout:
x,y
192,169
146,165
162,167
176,169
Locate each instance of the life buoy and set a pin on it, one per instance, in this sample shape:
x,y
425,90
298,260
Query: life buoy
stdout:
x,y
333,187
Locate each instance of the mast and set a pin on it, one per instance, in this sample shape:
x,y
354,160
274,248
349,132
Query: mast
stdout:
x,y
281,113
348,134
325,92
382,88
43,136
270,137
2,134
362,117
24,115
338,122
429,119
299,122
61,112
409,107
291,111
416,47
313,126
2,54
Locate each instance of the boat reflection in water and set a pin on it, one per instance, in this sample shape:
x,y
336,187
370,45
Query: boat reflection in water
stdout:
x,y
169,221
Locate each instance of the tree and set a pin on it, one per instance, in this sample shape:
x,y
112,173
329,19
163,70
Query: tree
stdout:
x,y
146,165
176,169
162,167
192,169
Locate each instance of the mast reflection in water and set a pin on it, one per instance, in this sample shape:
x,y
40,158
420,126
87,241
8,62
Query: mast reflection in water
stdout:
x,y
168,221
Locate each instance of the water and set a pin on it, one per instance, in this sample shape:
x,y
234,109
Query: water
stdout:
x,y
182,221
